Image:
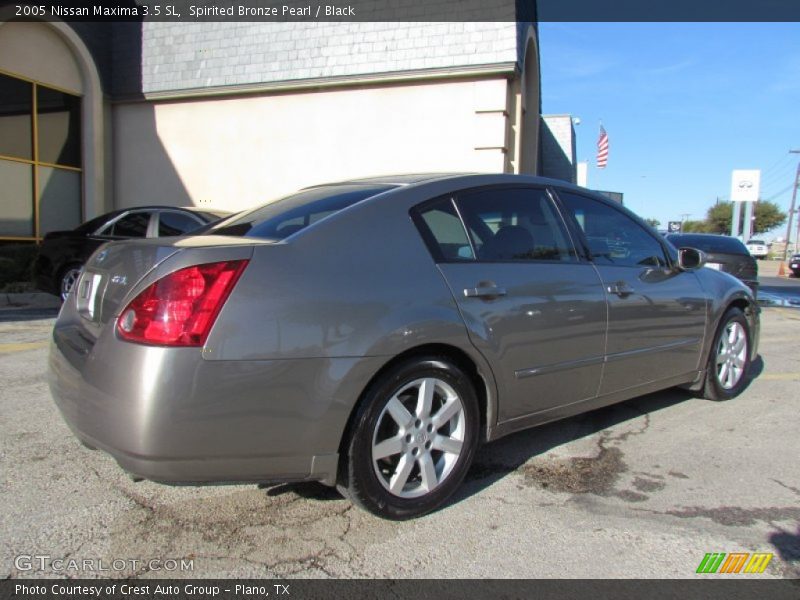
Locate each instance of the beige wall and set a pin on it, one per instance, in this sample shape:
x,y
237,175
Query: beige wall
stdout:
x,y
37,51
237,152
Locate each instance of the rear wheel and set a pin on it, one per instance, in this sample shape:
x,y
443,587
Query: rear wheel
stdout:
x,y
727,372
69,277
413,439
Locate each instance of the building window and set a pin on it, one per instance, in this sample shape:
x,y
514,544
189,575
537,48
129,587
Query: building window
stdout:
x,y
40,159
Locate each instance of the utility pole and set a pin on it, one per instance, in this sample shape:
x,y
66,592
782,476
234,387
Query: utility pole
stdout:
x,y
791,210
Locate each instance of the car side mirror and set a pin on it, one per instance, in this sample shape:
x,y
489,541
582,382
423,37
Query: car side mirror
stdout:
x,y
691,259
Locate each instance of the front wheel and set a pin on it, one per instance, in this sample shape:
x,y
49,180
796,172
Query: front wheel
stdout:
x,y
413,439
728,369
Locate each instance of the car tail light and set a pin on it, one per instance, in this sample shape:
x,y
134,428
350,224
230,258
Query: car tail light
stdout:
x,y
180,308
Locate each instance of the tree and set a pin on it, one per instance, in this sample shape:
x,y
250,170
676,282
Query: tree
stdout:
x,y
654,223
768,216
694,227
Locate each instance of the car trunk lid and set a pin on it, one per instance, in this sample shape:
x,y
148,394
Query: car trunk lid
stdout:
x,y
111,275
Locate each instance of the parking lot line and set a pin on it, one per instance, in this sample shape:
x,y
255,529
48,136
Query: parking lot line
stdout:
x,y
22,347
780,376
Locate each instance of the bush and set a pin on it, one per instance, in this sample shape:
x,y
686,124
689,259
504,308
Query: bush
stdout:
x,y
16,264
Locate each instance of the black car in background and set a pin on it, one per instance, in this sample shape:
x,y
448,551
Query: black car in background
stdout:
x,y
794,265
723,253
62,253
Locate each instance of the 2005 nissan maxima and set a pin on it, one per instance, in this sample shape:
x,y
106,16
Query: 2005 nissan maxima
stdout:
x,y
370,334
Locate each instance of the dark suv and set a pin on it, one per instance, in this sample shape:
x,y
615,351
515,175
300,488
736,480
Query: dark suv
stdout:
x,y
723,253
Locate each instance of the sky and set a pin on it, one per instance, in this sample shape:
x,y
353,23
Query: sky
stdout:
x,y
683,104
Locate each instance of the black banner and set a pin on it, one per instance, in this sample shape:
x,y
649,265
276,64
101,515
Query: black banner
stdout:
x,y
406,589
191,11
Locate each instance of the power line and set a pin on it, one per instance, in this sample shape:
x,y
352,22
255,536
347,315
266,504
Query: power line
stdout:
x,y
776,176
783,159
786,189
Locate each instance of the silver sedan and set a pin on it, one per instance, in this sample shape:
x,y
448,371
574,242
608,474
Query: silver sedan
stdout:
x,y
370,334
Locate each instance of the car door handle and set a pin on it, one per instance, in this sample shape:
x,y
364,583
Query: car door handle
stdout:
x,y
621,289
489,291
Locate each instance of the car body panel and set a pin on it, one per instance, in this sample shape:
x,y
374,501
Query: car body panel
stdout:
x,y
317,317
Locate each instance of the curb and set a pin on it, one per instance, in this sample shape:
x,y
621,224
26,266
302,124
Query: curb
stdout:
x,y
29,300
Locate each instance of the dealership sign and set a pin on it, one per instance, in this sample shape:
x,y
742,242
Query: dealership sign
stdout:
x,y
745,185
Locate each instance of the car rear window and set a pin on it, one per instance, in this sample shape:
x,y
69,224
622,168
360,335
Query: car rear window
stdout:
x,y
709,243
282,218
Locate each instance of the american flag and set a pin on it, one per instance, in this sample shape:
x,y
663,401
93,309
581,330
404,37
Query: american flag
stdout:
x,y
602,149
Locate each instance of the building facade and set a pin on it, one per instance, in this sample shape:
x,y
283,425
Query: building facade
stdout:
x,y
229,115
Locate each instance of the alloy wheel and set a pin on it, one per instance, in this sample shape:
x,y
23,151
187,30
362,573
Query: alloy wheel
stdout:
x,y
418,437
731,355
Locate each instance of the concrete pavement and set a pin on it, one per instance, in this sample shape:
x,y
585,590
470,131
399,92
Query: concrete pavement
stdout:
x,y
642,489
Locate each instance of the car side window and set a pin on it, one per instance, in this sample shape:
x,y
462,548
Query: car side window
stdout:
x,y
444,232
131,225
613,237
174,223
515,224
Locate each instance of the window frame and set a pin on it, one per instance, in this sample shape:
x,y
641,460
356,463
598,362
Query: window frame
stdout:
x,y
184,213
579,234
35,163
102,231
433,246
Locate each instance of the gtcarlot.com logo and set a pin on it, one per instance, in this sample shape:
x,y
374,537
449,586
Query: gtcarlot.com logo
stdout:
x,y
44,562
735,562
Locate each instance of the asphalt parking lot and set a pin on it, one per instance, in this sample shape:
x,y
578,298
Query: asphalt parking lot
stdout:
x,y
642,489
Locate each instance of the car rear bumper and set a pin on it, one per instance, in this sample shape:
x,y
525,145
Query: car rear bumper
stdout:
x,y
170,416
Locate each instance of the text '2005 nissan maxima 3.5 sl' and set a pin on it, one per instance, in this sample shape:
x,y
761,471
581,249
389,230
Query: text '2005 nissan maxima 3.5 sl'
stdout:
x,y
370,334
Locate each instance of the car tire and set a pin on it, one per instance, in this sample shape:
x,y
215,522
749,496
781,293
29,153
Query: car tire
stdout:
x,y
68,277
412,439
728,367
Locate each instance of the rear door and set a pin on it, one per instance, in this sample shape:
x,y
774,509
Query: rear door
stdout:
x,y
534,309
657,314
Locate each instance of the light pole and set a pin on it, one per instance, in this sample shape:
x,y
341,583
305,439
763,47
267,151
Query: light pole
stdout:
x,y
791,209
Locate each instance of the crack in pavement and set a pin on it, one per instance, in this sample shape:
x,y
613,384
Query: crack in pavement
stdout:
x,y
287,533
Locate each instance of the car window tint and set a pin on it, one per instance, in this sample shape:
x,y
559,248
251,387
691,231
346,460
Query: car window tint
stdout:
x,y
175,223
445,231
284,217
131,225
513,224
613,237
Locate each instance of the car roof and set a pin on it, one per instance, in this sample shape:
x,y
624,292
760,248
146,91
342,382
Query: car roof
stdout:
x,y
165,207
406,179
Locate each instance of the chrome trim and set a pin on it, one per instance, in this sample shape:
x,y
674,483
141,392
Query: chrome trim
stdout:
x,y
585,362
653,349
570,364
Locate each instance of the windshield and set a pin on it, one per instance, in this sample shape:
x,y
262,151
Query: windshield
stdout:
x,y
282,218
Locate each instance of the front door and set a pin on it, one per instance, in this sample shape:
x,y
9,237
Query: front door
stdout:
x,y
657,314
